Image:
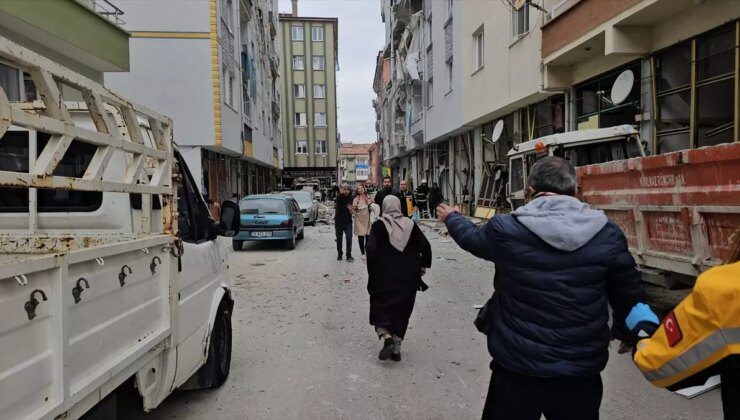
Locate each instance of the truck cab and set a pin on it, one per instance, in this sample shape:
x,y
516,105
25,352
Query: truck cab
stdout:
x,y
581,148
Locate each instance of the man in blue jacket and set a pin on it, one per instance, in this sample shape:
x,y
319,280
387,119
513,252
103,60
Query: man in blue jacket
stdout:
x,y
559,264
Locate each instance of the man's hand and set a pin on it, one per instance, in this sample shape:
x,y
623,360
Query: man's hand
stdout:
x,y
444,210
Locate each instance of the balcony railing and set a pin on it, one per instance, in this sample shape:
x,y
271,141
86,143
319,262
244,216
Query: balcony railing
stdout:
x,y
107,10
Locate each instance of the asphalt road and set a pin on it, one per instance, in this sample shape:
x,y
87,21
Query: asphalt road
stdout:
x,y
303,348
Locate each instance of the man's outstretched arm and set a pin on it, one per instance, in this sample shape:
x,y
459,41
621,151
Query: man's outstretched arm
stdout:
x,y
479,241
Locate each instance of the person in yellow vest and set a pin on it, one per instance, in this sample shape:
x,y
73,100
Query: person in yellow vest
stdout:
x,y
700,337
408,202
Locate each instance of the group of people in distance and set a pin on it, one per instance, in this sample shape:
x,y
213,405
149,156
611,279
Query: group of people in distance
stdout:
x,y
559,266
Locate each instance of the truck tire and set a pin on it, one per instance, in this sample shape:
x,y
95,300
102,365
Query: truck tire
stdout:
x,y
237,245
290,244
216,369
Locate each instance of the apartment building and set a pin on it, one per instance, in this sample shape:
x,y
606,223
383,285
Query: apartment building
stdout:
x,y
309,92
546,68
43,26
213,67
354,164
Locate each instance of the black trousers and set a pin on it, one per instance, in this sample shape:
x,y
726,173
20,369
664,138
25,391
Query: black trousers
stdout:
x,y
730,376
512,396
361,241
346,231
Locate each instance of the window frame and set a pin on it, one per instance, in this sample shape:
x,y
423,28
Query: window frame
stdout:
x,y
479,45
293,32
322,93
321,150
322,61
515,29
317,30
301,145
297,90
300,119
301,59
319,119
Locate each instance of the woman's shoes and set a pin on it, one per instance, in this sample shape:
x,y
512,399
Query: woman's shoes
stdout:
x,y
391,349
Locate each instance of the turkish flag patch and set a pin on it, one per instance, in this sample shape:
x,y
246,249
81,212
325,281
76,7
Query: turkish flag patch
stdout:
x,y
672,329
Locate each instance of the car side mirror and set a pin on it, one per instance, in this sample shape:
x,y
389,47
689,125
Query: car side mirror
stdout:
x,y
228,224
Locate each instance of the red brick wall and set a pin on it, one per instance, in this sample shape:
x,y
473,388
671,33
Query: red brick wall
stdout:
x,y
578,20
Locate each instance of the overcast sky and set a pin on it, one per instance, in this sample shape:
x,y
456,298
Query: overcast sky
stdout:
x,y
361,36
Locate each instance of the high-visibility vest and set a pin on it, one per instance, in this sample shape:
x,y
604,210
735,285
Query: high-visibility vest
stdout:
x,y
701,331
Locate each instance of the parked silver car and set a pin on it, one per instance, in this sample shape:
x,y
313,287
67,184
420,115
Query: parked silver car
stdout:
x,y
308,204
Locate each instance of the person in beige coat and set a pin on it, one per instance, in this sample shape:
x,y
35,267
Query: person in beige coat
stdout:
x,y
361,211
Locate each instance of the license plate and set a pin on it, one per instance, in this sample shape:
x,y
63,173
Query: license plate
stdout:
x,y
261,234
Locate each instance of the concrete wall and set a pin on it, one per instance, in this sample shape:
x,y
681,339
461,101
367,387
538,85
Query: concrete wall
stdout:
x,y
184,96
445,114
511,76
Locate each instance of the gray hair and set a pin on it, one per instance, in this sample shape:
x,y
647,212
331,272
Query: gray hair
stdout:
x,y
553,174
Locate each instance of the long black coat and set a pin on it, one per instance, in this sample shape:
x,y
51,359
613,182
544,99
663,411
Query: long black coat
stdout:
x,y
394,277
390,270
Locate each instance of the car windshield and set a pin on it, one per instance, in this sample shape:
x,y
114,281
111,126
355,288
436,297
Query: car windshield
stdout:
x,y
302,197
263,206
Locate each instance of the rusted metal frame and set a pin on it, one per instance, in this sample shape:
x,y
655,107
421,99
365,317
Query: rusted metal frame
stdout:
x,y
50,94
33,204
24,180
51,155
42,123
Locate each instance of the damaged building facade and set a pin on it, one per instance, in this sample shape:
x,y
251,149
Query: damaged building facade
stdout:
x,y
451,71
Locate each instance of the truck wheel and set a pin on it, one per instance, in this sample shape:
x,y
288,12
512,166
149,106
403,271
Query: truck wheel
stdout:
x,y
291,242
237,245
218,364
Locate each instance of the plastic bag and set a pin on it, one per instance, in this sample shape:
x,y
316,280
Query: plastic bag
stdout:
x,y
415,216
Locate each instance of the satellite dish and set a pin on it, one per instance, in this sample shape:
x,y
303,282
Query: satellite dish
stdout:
x,y
622,87
497,130
518,4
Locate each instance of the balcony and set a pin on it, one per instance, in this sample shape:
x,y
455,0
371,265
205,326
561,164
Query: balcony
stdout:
x,y
45,25
274,67
108,10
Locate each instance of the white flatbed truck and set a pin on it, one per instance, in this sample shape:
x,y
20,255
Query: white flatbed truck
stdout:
x,y
111,274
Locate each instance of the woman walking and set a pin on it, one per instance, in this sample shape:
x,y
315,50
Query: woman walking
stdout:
x,y
398,255
361,210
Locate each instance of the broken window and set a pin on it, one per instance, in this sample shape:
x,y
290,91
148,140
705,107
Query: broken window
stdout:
x,y
713,91
594,106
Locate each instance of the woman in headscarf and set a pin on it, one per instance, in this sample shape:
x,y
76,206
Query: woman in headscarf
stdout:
x,y
361,211
398,255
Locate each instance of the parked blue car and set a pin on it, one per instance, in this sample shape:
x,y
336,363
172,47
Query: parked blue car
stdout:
x,y
269,217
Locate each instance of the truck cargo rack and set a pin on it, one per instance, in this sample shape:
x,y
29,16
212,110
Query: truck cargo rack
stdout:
x,y
118,133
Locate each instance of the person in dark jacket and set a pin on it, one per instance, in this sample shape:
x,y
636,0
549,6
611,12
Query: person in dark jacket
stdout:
x,y
559,265
398,255
408,201
435,197
343,221
386,191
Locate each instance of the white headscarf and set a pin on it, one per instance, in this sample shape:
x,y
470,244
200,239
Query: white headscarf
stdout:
x,y
398,226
